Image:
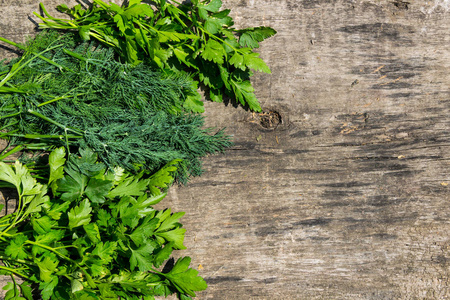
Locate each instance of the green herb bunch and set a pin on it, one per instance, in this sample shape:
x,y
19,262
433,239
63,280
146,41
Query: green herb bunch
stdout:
x,y
89,232
66,92
116,102
197,37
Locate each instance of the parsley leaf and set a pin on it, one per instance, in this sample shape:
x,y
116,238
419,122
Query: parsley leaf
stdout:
x,y
56,162
47,266
245,94
185,279
43,224
130,186
251,37
98,189
163,177
80,215
142,258
16,248
214,51
47,287
72,184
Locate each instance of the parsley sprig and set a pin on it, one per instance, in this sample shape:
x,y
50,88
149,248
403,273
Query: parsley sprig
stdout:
x,y
92,233
197,37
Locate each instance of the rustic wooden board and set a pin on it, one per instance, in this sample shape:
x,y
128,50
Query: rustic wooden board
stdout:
x,y
347,197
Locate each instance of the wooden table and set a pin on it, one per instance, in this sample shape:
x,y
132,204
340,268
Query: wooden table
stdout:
x,y
340,189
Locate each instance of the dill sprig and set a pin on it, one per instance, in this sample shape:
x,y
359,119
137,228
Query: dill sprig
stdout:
x,y
62,91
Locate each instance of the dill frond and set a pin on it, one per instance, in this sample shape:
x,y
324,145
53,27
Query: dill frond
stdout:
x,y
131,116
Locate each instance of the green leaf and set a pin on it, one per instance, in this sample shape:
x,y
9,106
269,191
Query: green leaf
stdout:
x,y
26,290
16,248
212,6
105,251
92,232
185,279
48,287
169,222
47,267
57,209
175,235
107,292
225,76
56,162
244,93
213,25
163,177
216,22
120,22
80,215
144,204
12,292
115,8
252,61
237,60
119,175
104,218
84,32
215,95
130,186
140,235
128,211
76,285
133,2
72,184
161,56
181,55
194,103
142,258
43,224
47,239
163,254
36,202
203,13
138,10
214,51
20,177
98,189
210,75
222,14
250,37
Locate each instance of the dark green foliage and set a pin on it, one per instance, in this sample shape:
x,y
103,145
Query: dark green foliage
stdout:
x,y
130,116
93,237
195,36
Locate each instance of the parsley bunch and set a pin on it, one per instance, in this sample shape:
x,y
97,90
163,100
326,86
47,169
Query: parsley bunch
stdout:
x,y
197,37
91,233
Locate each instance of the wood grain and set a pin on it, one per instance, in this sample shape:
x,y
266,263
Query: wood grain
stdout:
x,y
347,197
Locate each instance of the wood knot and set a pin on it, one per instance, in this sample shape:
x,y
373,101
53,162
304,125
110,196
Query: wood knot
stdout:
x,y
401,5
269,119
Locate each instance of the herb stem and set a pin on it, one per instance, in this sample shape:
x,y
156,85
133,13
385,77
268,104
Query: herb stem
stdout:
x,y
88,277
38,55
7,258
60,98
35,113
17,66
12,151
14,271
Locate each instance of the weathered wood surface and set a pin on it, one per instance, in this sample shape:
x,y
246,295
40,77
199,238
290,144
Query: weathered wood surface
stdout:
x,y
348,197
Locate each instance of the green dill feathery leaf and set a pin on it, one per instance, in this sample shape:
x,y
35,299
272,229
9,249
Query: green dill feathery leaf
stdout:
x,y
131,117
